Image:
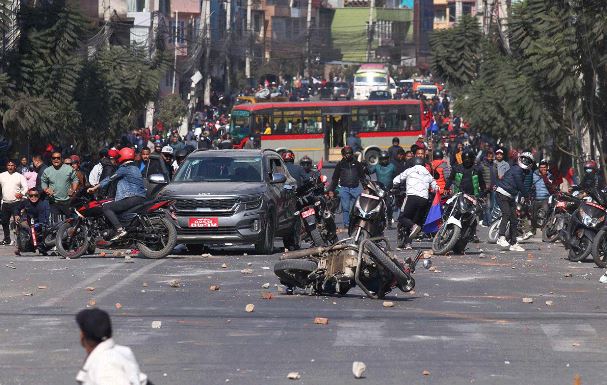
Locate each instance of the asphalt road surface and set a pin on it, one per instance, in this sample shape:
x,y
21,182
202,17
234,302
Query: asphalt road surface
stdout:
x,y
465,323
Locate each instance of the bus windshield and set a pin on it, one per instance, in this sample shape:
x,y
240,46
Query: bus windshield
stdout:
x,y
375,80
239,124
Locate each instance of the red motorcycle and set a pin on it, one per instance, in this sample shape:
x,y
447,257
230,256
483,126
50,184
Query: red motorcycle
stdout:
x,y
150,228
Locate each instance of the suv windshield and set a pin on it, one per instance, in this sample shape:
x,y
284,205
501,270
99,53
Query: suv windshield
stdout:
x,y
220,169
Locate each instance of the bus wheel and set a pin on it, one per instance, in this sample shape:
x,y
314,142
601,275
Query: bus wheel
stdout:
x,y
372,156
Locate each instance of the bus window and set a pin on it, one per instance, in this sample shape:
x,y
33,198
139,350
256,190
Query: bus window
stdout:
x,y
368,119
278,123
293,121
312,121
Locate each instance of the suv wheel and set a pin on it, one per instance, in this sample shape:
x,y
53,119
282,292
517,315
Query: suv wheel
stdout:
x,y
265,245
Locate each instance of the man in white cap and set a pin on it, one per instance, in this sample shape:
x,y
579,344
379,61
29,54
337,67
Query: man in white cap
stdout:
x,y
167,155
501,165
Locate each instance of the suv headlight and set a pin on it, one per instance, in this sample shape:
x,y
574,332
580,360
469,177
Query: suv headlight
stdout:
x,y
253,203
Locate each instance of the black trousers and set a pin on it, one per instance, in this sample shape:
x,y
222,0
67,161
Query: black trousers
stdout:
x,y
5,213
60,210
508,207
413,213
111,209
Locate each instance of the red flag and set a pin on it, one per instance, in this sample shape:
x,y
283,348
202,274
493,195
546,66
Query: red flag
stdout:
x,y
319,165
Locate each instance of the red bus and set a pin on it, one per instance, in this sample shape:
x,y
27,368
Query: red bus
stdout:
x,y
319,129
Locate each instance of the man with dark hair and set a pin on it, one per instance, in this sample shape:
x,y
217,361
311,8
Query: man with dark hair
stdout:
x,y
39,167
59,182
394,149
14,187
106,362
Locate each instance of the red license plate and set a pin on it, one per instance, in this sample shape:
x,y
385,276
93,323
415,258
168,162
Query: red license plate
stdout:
x,y
307,213
203,222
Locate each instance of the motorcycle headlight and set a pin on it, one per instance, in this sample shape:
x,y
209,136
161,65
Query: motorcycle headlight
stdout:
x,y
381,193
586,219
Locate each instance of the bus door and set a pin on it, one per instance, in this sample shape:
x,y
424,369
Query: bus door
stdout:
x,y
336,121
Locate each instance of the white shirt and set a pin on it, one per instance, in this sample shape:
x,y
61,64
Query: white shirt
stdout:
x,y
111,364
418,180
95,174
12,184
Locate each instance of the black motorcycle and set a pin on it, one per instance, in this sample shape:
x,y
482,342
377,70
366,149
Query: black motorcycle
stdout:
x,y
316,216
368,215
584,225
459,224
560,208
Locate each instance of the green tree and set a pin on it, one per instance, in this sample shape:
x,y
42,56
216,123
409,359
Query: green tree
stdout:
x,y
171,110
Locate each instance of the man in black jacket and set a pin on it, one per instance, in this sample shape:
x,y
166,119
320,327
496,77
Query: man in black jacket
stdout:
x,y
507,189
348,174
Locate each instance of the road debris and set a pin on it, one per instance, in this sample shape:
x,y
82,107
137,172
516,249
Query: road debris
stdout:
x,y
224,266
293,376
246,271
42,287
174,283
266,295
568,275
527,300
11,266
358,369
249,308
145,284
265,285
426,372
28,294
214,288
388,304
549,303
118,305
321,321
90,288
156,324
91,303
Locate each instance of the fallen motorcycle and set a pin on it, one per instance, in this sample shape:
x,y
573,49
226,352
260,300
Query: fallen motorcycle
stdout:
x,y
338,268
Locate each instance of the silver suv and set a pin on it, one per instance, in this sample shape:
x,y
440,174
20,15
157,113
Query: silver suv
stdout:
x,y
234,196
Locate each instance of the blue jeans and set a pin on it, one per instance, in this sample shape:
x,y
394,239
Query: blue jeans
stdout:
x,y
348,196
491,202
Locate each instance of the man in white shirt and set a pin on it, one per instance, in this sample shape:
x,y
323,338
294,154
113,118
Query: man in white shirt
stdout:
x,y
107,363
14,186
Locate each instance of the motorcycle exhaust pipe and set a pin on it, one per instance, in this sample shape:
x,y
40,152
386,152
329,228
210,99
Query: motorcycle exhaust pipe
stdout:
x,y
298,254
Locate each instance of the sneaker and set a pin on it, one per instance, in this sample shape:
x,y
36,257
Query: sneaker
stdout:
x,y
516,247
482,225
527,235
603,278
119,234
502,242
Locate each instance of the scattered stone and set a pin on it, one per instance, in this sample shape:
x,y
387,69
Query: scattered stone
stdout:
x,y
214,287
266,295
321,321
527,300
145,284
11,266
481,255
91,303
388,304
118,305
42,287
156,324
426,295
28,294
426,372
493,258
432,268
224,266
265,268
293,376
568,275
249,263
507,362
90,288
174,283
575,344
549,303
206,255
249,308
358,369
246,271
265,285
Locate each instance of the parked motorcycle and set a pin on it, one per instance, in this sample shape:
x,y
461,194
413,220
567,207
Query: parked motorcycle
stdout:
x,y
336,269
317,219
150,229
368,215
459,227
584,225
560,208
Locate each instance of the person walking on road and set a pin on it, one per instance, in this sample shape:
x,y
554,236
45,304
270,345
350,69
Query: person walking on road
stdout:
x,y
348,175
106,363
59,182
14,187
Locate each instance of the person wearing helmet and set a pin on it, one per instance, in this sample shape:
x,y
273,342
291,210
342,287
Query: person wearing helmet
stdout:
x,y
181,155
130,190
467,177
591,178
348,175
440,168
308,167
511,185
295,170
418,181
385,172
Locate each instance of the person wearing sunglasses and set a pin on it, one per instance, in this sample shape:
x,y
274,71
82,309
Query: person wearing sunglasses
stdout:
x,y
34,208
59,182
14,186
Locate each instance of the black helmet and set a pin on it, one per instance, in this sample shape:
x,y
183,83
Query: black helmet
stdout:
x,y
347,150
305,161
468,158
384,155
419,161
438,154
182,153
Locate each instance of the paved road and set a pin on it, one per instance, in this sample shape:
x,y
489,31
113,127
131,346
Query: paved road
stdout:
x,y
464,324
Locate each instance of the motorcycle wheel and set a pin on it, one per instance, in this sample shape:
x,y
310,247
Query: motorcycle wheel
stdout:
x,y
317,238
446,238
599,248
549,232
294,272
404,281
494,231
581,253
73,246
460,246
167,234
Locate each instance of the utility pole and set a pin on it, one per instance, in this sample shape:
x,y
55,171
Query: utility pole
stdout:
x,y
458,11
247,66
228,46
309,40
370,31
175,52
207,56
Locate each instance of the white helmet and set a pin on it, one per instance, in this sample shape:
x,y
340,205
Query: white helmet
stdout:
x,y
525,160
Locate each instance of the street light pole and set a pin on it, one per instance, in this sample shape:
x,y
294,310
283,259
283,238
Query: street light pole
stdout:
x,y
370,31
228,41
175,49
308,40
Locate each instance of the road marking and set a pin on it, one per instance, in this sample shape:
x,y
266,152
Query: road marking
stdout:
x,y
131,277
87,282
573,338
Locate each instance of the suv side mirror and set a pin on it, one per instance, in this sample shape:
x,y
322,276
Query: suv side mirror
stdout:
x,y
158,179
278,177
